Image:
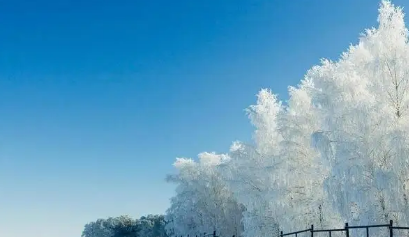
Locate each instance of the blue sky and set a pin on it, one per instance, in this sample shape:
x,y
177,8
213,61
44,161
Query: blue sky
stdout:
x,y
97,98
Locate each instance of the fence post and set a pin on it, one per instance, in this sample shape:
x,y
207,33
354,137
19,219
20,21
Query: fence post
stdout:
x,y
281,234
312,230
390,228
346,229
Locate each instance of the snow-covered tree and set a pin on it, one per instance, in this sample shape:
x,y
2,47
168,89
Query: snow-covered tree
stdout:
x,y
362,101
152,226
98,228
203,202
280,179
336,151
125,226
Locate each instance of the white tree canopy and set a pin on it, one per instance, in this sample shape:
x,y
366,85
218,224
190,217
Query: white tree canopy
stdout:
x,y
336,151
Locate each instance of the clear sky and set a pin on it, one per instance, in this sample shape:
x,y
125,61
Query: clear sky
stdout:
x,y
97,98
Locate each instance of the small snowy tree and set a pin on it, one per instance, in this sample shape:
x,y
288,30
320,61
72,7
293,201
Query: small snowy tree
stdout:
x,y
203,202
98,228
122,226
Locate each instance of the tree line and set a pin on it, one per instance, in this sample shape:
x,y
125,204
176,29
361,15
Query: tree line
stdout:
x,y
125,226
337,150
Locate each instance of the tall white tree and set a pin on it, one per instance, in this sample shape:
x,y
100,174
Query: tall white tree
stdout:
x,y
362,101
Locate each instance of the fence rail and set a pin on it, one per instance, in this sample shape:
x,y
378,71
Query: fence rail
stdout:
x,y
204,235
346,230
311,230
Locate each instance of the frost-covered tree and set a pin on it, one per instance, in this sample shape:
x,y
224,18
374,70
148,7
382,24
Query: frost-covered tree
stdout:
x,y
251,171
152,226
122,226
125,226
98,228
280,179
336,151
203,202
247,176
362,101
